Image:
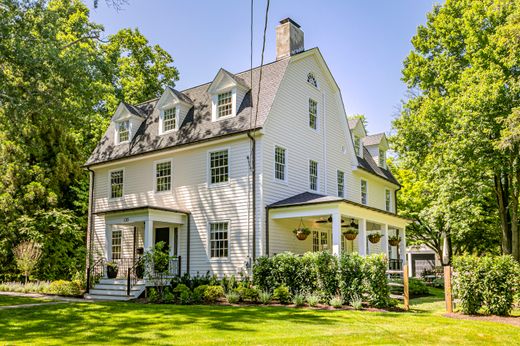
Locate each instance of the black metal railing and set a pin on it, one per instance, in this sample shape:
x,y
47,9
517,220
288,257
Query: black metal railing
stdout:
x,y
95,272
395,264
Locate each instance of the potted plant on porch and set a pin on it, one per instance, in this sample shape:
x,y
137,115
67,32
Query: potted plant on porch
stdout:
x,y
374,238
394,240
301,231
350,233
112,270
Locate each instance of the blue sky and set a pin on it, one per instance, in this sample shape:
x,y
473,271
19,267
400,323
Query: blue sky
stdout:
x,y
363,41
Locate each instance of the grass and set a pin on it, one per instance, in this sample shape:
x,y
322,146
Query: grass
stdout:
x,y
124,323
9,300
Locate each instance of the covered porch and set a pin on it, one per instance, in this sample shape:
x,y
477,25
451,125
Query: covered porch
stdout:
x,y
329,218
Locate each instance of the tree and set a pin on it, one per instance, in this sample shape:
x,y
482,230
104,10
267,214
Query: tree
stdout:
x,y
463,79
60,84
27,255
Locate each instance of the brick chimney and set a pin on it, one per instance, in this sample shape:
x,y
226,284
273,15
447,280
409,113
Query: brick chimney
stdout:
x,y
289,39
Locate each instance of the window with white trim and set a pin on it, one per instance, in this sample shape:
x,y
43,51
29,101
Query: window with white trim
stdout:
x,y
388,200
341,184
169,121
313,114
280,164
312,80
320,241
364,192
224,104
123,131
219,166
163,176
382,158
219,239
313,175
116,184
116,244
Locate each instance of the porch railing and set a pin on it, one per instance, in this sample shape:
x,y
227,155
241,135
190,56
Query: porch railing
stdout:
x,y
395,264
95,272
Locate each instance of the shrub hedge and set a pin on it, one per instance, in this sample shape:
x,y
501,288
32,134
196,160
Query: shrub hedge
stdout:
x,y
486,284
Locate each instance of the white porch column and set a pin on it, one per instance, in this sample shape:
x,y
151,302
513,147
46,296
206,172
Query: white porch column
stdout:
x,y
336,233
362,237
384,240
402,247
108,241
148,234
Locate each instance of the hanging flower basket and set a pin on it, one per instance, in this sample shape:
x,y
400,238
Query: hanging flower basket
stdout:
x,y
374,238
394,240
301,232
350,233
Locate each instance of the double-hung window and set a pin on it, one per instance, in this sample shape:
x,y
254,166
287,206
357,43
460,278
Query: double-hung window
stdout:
x,y
224,104
116,244
116,184
341,184
320,241
313,175
219,166
169,121
163,176
123,131
388,200
364,192
280,164
219,239
313,114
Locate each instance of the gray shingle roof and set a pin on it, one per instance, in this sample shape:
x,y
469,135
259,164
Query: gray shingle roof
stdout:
x,y
197,125
305,198
368,164
135,110
181,96
373,139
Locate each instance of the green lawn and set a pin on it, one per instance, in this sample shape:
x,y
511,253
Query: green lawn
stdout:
x,y
124,323
9,300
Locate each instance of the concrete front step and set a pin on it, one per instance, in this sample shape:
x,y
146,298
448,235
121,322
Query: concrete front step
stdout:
x,y
107,297
96,291
117,287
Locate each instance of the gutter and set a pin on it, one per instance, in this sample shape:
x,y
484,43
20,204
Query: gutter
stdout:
x,y
253,192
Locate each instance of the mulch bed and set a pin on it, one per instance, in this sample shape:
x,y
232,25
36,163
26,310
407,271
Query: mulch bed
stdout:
x,y
512,320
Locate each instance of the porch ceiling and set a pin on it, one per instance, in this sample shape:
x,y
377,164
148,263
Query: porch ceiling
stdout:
x,y
146,213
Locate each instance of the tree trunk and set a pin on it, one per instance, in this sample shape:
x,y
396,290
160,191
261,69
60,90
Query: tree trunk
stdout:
x,y
515,187
501,192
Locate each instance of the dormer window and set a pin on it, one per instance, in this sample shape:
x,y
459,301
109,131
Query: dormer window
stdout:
x,y
225,104
357,145
169,119
312,80
123,131
382,158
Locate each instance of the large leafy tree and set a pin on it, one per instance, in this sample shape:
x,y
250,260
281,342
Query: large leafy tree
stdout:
x,y
59,84
451,139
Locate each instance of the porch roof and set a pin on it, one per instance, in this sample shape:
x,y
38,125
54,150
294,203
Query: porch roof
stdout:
x,y
145,207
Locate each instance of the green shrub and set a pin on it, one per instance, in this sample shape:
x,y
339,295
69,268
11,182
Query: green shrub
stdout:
x,y
438,283
313,299
65,288
298,299
417,288
327,270
248,294
30,287
185,297
356,302
351,275
376,281
168,296
198,293
153,295
336,302
213,293
466,283
265,297
233,297
283,294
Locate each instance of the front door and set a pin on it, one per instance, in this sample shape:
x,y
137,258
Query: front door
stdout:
x,y
163,234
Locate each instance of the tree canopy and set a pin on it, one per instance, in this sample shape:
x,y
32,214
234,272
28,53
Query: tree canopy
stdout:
x,y
61,81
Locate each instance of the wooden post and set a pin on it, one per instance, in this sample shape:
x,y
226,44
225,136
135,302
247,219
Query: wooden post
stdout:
x,y
405,288
447,289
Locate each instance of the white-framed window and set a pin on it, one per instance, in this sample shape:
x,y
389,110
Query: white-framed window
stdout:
x,y
219,239
313,114
320,241
312,80
219,166
116,183
313,175
123,131
341,183
163,176
280,163
364,192
224,104
169,119
382,158
357,145
117,237
388,200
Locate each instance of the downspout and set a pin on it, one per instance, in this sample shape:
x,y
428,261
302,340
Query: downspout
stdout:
x,y
395,198
90,221
188,216
253,193
267,231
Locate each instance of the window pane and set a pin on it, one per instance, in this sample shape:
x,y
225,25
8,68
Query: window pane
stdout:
x,y
313,175
224,105
388,200
279,163
364,192
219,167
163,173
341,184
315,241
116,184
169,119
312,80
313,112
219,243
116,244
123,131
